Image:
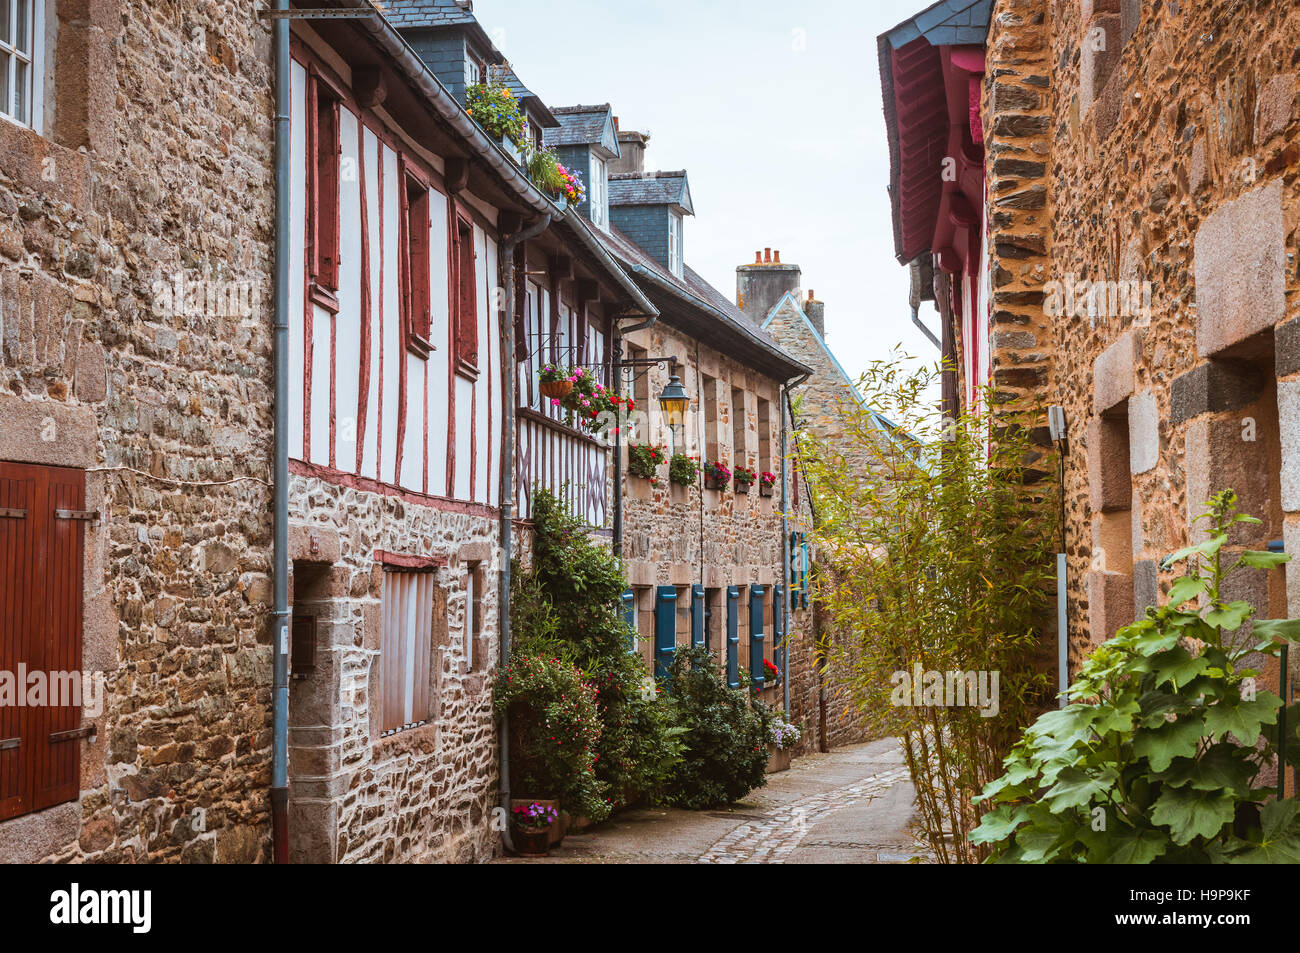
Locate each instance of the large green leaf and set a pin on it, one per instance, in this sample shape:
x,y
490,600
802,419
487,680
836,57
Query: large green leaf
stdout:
x,y
1127,845
1222,768
1257,559
1279,836
1189,813
1243,718
1206,549
999,824
1177,666
1277,630
1187,587
1075,788
1177,739
1229,615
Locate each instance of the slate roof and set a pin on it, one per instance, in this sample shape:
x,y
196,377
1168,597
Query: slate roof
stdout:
x,y
656,188
579,126
406,14
946,23
529,99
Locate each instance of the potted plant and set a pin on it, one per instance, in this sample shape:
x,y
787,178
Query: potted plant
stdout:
x,y
493,106
716,475
771,674
744,478
556,382
562,184
766,481
643,461
682,470
782,736
532,828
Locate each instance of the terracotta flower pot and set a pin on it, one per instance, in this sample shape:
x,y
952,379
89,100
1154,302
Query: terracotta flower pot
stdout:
x,y
556,390
533,841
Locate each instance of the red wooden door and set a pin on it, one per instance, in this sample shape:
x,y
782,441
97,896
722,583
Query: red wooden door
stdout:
x,y
41,559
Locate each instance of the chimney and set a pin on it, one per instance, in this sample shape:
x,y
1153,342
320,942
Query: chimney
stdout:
x,y
761,285
816,312
631,147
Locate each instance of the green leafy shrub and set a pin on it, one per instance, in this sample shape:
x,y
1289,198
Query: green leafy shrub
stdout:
x,y
682,470
581,584
1158,757
554,733
725,736
643,461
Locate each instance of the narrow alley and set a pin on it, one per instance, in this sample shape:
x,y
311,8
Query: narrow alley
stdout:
x,y
853,805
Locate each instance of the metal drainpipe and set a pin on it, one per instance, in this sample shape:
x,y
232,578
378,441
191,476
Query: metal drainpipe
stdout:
x,y
615,372
785,539
506,275
280,566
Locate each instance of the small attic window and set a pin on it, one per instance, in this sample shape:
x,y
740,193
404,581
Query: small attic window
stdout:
x,y
596,193
675,243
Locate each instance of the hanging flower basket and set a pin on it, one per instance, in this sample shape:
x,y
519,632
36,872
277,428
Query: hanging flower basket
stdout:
x,y
716,475
556,382
766,483
744,478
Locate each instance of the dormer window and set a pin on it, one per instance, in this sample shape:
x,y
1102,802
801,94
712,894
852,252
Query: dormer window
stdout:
x,y
675,243
596,193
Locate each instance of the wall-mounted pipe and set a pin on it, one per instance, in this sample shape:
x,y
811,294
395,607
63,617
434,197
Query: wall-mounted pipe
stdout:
x,y
785,534
280,476
506,276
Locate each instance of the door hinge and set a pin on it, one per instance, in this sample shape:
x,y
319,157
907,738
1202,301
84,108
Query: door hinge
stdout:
x,y
7,743
9,513
85,731
88,516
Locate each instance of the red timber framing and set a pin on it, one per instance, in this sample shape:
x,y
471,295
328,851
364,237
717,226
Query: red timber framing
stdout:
x,y
42,552
467,356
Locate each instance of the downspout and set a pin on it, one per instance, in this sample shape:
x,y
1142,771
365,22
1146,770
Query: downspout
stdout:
x,y
280,477
785,540
509,369
615,372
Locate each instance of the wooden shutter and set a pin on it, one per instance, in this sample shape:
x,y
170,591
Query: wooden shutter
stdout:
x,y
665,629
697,615
325,149
778,628
629,617
41,558
756,670
733,637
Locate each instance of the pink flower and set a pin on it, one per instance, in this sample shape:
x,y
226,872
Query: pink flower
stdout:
x,y
555,402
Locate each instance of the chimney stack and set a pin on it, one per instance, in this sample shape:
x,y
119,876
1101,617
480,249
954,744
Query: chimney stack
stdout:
x,y
816,312
631,147
761,285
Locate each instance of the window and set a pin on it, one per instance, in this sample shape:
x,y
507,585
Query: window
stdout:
x,y
473,612
739,452
466,298
405,648
675,244
22,33
323,185
41,559
709,386
764,436
596,192
413,266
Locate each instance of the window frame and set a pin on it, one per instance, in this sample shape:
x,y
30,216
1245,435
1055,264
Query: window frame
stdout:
x,y
463,268
420,589
34,61
675,259
323,184
415,278
596,193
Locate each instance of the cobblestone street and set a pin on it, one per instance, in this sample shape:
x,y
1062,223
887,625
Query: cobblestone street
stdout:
x,y
853,805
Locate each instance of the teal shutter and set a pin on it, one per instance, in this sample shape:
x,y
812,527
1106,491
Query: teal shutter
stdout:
x,y
778,627
665,629
733,637
756,670
803,559
792,556
697,615
629,616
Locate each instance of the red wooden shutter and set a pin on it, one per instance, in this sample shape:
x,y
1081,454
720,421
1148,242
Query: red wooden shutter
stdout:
x,y
413,263
325,149
466,298
41,560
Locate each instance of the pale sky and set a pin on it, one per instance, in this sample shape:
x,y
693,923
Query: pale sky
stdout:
x,y
773,108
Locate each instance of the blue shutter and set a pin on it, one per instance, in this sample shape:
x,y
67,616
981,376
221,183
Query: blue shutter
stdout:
x,y
792,556
733,637
756,670
629,616
665,629
697,615
778,627
804,580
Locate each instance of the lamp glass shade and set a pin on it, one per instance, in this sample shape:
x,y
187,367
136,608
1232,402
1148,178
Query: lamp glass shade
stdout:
x,y
673,399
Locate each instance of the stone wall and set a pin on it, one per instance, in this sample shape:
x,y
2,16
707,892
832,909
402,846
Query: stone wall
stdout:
x,y
422,794
681,536
155,163
1173,183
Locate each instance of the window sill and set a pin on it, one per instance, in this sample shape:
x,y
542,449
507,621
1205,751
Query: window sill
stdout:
x,y
418,738
323,297
467,369
419,347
